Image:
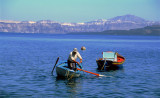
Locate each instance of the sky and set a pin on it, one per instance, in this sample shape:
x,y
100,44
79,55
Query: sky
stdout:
x,y
77,10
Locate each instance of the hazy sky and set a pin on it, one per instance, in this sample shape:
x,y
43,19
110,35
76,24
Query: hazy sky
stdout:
x,y
77,10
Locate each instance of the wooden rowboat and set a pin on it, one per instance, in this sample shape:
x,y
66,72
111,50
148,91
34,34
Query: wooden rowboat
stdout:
x,y
63,71
110,61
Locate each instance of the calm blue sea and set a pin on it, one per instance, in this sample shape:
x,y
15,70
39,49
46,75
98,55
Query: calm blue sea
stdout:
x,y
26,62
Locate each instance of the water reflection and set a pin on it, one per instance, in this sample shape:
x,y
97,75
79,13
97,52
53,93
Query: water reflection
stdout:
x,y
68,82
72,85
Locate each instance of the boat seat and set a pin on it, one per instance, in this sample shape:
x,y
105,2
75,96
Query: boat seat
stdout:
x,y
112,56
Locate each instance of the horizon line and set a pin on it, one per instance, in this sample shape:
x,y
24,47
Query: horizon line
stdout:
x,y
70,22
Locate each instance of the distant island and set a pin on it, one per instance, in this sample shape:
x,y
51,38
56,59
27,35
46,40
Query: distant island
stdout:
x,y
149,30
120,25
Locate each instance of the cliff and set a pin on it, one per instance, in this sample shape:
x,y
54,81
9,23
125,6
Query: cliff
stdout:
x,y
125,22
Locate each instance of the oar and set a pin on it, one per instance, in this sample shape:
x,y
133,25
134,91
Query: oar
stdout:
x,y
90,72
55,65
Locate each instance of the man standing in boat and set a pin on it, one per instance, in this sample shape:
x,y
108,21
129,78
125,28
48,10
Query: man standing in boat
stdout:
x,y
72,59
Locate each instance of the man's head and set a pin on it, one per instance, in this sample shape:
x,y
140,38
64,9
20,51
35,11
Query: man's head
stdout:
x,y
75,50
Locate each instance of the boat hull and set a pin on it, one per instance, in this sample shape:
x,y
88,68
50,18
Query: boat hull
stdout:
x,y
108,65
63,71
111,64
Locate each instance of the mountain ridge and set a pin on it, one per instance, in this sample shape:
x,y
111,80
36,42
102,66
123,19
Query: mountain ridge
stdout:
x,y
125,22
153,30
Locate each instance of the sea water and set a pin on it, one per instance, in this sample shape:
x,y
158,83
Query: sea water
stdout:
x,y
26,62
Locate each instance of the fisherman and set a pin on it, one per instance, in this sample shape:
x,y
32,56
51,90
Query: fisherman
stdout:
x,y
72,59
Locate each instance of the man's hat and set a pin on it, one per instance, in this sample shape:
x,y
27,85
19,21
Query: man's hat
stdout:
x,y
75,50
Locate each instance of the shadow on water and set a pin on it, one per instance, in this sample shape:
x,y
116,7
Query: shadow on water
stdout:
x,y
71,86
71,82
4,94
112,73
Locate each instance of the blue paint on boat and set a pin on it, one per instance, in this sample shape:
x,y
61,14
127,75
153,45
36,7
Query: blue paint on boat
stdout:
x,y
63,70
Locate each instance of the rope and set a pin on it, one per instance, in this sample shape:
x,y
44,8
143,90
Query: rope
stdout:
x,y
103,64
72,74
67,73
